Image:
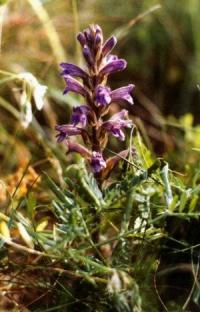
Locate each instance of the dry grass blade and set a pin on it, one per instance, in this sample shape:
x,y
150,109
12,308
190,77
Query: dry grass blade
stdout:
x,y
49,29
121,32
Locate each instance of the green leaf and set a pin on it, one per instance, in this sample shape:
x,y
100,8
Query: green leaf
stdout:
x,y
183,201
143,152
31,204
193,202
90,185
59,193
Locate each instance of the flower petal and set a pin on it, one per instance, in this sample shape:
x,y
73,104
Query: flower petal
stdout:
x,y
81,38
38,94
65,131
123,94
113,66
111,57
117,123
88,55
109,45
78,148
73,70
74,86
102,95
80,114
118,133
97,162
122,118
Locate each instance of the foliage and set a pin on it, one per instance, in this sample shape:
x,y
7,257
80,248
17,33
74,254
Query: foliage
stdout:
x,y
133,218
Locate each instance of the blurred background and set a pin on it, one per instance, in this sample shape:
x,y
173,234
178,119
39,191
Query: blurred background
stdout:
x,y
159,39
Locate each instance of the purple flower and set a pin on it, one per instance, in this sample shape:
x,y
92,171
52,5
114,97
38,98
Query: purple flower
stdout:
x,y
122,94
117,123
89,36
65,131
97,162
74,86
79,115
113,66
97,44
88,55
98,40
81,38
73,70
88,120
109,45
102,95
98,30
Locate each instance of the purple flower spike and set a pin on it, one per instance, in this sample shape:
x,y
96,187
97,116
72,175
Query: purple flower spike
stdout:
x,y
122,94
88,120
116,123
102,95
74,86
109,45
73,70
113,66
97,162
79,115
65,131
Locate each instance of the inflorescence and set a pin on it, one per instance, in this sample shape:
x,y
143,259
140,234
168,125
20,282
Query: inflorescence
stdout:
x,y
86,120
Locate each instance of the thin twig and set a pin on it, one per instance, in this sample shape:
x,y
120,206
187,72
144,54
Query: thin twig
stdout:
x,y
26,249
156,289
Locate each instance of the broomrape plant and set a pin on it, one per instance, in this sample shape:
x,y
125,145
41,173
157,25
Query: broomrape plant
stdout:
x,y
88,120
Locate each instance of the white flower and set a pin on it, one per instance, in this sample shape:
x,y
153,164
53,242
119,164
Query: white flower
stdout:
x,y
38,95
31,88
